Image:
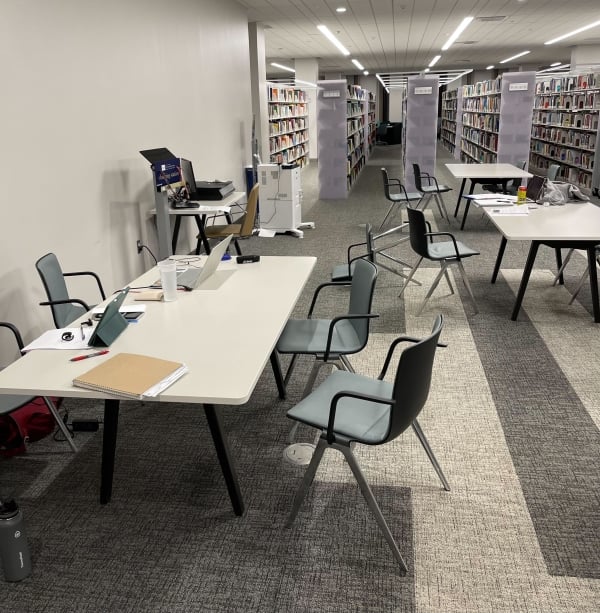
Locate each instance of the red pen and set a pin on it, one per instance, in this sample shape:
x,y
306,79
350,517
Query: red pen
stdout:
x,y
89,355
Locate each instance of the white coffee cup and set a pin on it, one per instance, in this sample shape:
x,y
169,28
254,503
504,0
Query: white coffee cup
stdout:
x,y
168,279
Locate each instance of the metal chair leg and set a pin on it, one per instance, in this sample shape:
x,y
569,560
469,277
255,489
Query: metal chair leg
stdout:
x,y
423,440
467,284
432,288
60,423
580,284
410,276
562,268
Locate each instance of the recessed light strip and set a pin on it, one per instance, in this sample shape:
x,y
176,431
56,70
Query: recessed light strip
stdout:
x,y
583,29
514,57
358,64
463,25
434,61
282,67
326,32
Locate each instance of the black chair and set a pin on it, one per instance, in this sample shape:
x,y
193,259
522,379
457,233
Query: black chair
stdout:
x,y
12,402
446,253
349,408
432,189
396,193
64,309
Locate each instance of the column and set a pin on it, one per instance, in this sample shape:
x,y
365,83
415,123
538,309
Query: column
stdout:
x,y
308,71
258,85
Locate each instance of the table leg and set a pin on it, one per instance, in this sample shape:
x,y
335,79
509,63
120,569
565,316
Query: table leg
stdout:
x,y
202,240
276,365
499,259
460,193
175,233
109,443
591,253
558,254
467,205
223,453
525,278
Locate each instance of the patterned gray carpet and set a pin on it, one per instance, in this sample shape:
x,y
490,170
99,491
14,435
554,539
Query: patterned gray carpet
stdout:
x,y
513,417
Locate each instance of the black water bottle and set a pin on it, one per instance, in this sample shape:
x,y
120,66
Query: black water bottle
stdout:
x,y
14,551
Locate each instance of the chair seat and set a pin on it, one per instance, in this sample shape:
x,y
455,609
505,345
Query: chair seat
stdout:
x,y
445,250
432,189
309,336
409,196
358,420
343,272
10,402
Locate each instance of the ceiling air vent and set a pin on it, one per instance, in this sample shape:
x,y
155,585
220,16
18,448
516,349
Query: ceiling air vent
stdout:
x,y
491,18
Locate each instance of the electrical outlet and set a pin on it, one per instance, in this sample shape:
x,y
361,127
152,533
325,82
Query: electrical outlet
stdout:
x,y
139,246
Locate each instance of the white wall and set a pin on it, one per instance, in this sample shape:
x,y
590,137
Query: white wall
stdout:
x,y
85,86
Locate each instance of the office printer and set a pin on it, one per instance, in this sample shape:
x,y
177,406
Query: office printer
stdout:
x,y
212,190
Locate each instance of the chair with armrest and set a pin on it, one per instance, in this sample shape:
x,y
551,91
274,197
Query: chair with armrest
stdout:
x,y
349,408
64,309
552,172
330,341
396,193
242,228
433,188
446,253
12,402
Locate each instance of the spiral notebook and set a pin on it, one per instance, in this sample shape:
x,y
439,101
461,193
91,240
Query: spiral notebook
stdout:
x,y
132,375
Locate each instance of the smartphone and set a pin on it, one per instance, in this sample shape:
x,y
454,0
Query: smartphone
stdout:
x,y
133,315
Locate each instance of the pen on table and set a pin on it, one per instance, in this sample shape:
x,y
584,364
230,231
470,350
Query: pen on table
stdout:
x,y
89,355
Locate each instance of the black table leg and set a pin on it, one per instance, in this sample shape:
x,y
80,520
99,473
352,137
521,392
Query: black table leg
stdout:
x,y
499,259
467,205
223,453
525,278
591,253
202,240
276,365
460,193
558,254
109,443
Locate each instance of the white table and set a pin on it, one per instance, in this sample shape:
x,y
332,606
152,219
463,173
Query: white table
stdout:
x,y
225,337
573,225
482,173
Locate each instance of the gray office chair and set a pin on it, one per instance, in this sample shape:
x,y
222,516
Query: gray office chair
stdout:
x,y
553,172
433,188
396,193
330,341
12,402
446,253
64,309
350,408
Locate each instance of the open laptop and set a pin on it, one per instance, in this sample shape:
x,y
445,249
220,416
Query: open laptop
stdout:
x,y
207,277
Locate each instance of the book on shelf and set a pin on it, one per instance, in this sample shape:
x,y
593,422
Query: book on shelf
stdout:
x,y
131,375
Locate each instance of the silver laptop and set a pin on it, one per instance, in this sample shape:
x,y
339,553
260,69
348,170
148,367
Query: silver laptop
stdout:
x,y
207,277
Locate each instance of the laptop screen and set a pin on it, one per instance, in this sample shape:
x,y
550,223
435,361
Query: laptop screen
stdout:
x,y
187,172
535,185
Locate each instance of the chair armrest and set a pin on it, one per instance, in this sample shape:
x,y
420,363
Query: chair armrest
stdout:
x,y
333,323
426,175
69,301
432,234
345,394
89,274
353,246
318,291
392,348
15,331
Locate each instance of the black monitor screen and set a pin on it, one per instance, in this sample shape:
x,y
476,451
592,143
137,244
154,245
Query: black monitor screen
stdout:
x,y
187,172
534,187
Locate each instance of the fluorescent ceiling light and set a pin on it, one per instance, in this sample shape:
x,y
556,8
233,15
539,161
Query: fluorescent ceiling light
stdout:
x,y
366,73
559,67
514,57
489,67
555,64
282,67
382,82
427,69
326,32
340,9
305,82
555,40
434,61
463,24
358,64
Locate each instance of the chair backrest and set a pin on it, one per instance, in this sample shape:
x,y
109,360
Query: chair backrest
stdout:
x,y
413,380
370,243
417,171
56,289
386,183
361,296
553,172
250,214
417,229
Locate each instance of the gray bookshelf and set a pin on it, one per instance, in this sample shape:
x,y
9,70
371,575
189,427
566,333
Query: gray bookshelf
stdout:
x,y
451,129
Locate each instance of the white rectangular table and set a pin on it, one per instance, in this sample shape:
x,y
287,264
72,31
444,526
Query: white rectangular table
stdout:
x,y
573,225
482,173
225,337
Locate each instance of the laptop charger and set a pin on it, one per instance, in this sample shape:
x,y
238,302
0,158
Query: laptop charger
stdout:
x,y
85,425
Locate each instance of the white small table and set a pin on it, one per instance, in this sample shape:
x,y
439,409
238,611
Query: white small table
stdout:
x,y
482,173
573,225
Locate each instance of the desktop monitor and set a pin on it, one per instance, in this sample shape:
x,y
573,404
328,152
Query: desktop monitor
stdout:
x,y
187,175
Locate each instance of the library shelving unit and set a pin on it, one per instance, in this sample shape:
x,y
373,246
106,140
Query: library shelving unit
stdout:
x,y
565,128
497,118
451,130
288,125
342,118
371,121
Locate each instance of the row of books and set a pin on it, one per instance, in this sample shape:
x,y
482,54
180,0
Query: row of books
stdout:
x,y
566,155
353,172
568,83
354,125
470,152
492,86
354,141
448,124
579,101
489,140
584,121
571,174
356,92
484,104
561,136
279,111
285,126
286,94
286,141
356,157
294,154
491,123
450,105
354,108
